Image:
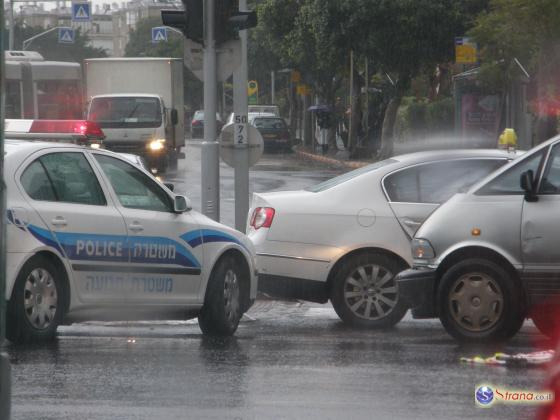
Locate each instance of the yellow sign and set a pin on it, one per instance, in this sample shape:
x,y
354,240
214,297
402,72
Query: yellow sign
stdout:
x,y
466,51
302,89
253,92
296,76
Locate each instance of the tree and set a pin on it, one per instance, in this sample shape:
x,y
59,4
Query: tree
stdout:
x,y
140,45
406,38
49,47
529,31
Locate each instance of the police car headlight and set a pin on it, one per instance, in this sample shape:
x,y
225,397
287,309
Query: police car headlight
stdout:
x,y
156,145
422,249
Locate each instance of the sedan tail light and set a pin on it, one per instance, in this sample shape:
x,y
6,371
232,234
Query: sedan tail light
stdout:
x,y
262,217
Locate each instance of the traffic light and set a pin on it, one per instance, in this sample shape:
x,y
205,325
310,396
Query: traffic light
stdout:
x,y
190,21
229,20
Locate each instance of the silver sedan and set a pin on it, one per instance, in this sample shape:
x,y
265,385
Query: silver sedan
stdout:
x,y
347,238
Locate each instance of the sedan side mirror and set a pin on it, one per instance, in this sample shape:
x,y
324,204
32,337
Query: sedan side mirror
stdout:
x,y
528,185
181,204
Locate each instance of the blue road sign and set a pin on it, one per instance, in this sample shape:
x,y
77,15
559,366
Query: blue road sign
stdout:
x,y
81,12
65,35
159,34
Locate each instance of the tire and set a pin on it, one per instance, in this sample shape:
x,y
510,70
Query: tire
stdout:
x,y
478,302
42,282
364,292
546,319
172,159
221,312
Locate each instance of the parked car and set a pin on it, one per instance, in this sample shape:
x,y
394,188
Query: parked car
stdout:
x,y
490,257
92,236
197,124
265,109
346,239
250,116
274,130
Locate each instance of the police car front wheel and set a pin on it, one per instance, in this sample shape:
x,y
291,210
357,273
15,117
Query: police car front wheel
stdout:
x,y
35,309
221,312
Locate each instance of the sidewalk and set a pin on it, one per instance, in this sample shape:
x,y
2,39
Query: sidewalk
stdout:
x,y
334,158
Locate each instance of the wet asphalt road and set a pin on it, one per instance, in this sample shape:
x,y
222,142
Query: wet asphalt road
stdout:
x,y
288,360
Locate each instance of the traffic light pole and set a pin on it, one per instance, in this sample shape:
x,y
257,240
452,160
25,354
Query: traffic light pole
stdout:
x,y
210,147
241,154
5,392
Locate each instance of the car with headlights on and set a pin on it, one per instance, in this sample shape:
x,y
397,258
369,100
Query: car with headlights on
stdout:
x,y
346,238
490,257
92,236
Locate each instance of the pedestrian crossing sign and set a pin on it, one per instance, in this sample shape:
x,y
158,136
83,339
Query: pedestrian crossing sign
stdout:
x,y
81,12
65,35
159,34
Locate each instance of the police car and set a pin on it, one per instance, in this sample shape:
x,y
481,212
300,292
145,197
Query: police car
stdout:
x,y
92,236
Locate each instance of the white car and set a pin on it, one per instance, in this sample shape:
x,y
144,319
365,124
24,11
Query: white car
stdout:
x,y
346,239
92,236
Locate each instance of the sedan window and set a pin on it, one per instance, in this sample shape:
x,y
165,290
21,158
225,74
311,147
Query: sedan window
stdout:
x,y
36,183
133,188
66,177
437,182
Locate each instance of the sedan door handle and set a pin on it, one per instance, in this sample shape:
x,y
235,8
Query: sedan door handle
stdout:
x,y
411,223
59,221
136,227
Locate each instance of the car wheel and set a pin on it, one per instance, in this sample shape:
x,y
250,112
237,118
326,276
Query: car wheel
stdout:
x,y
364,291
221,312
478,302
36,307
172,158
546,320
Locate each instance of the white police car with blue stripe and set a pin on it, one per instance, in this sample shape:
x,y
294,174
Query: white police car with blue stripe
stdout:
x,y
91,236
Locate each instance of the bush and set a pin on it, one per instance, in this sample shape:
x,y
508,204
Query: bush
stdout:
x,y
420,118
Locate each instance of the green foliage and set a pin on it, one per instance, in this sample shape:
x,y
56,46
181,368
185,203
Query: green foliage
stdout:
x,y
49,47
420,118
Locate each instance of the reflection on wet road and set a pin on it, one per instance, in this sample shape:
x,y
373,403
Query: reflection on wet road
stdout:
x,y
288,361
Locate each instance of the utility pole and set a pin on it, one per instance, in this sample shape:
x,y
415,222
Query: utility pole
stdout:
x,y
210,147
5,381
272,88
240,109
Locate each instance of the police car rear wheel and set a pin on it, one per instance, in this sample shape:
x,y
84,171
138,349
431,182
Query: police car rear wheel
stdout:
x,y
34,310
221,312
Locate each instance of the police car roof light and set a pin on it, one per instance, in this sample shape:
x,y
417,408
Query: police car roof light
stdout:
x,y
85,128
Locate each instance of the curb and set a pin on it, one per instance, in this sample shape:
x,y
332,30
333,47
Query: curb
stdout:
x,y
351,164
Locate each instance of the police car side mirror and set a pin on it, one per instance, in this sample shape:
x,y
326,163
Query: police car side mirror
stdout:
x,y
181,204
528,185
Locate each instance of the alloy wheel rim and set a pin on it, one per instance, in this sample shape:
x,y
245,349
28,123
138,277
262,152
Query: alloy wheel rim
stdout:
x,y
231,295
40,298
370,292
476,302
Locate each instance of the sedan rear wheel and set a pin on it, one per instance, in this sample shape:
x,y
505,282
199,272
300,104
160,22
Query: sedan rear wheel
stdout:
x,y
365,292
35,309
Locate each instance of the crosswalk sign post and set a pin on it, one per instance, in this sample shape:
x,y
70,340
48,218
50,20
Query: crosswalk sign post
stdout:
x,y
159,34
81,12
65,35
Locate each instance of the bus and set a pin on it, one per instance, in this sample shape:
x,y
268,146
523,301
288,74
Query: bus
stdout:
x,y
40,89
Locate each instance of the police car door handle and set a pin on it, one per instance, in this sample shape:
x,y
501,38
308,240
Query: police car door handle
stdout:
x,y
136,227
59,221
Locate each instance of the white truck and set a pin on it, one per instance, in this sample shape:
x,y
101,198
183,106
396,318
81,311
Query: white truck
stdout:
x,y
138,102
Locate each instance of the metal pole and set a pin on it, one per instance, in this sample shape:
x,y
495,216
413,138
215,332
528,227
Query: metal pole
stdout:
x,y
210,147
240,107
367,102
5,381
272,88
11,18
351,127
